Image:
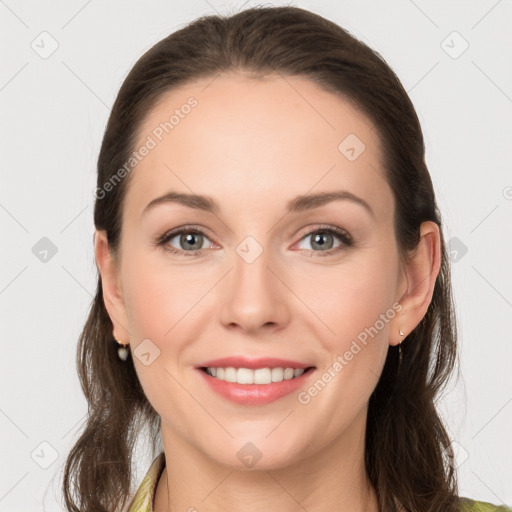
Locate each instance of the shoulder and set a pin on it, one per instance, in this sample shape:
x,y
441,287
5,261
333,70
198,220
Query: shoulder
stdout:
x,y
469,505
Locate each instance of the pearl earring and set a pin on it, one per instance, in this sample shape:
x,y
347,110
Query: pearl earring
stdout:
x,y
122,351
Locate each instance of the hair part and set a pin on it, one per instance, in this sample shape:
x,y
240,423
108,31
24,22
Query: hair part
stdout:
x,y
408,456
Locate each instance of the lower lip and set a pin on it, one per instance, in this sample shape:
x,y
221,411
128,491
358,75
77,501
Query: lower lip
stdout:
x,y
255,394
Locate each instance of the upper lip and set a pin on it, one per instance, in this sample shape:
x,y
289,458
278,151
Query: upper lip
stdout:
x,y
244,362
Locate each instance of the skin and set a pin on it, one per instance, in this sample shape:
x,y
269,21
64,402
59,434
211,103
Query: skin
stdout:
x,y
253,144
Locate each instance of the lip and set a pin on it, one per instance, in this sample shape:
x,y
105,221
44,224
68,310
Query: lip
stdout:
x,y
253,364
254,394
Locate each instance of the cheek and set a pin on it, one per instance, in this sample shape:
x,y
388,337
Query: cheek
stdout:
x,y
160,307
350,299
158,298
146,304
357,307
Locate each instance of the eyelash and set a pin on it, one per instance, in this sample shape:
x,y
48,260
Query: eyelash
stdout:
x,y
344,236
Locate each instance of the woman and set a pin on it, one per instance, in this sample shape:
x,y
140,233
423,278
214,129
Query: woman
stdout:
x,y
274,294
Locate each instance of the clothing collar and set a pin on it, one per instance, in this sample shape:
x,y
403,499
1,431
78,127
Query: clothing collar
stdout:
x,y
143,500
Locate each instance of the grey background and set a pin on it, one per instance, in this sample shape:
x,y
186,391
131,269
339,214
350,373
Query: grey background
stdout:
x,y
54,109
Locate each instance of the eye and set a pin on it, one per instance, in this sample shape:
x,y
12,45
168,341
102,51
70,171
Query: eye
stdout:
x,y
190,241
324,239
184,240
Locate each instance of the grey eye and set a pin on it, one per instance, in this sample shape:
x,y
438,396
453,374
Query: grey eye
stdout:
x,y
189,241
321,241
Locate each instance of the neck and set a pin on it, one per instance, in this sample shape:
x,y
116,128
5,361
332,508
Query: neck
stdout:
x,y
332,479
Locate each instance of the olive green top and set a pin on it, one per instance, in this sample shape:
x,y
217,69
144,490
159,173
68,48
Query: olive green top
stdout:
x,y
144,497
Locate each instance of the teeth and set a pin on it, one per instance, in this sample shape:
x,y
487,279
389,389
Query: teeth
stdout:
x,y
259,376
230,375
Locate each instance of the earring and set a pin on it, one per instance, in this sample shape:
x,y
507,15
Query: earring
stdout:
x,y
400,347
122,351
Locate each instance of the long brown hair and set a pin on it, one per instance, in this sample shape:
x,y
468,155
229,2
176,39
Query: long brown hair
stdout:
x,y
408,455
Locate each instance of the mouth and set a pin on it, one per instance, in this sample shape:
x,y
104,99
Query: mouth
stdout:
x,y
262,376
253,382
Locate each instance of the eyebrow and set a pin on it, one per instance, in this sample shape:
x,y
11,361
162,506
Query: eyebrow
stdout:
x,y
300,203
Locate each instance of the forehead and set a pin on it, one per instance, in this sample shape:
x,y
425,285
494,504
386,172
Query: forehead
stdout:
x,y
272,136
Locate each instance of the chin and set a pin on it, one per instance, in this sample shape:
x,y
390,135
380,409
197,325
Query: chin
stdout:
x,y
260,454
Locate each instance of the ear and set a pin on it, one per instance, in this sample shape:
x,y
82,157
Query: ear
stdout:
x,y
418,278
110,283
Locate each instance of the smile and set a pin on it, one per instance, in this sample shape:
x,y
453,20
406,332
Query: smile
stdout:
x,y
251,376
254,387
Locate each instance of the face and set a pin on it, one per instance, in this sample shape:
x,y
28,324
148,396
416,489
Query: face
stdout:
x,y
267,273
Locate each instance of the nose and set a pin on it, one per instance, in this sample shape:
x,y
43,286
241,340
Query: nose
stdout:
x,y
255,295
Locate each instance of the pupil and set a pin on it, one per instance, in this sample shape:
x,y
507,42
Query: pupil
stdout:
x,y
189,238
317,240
